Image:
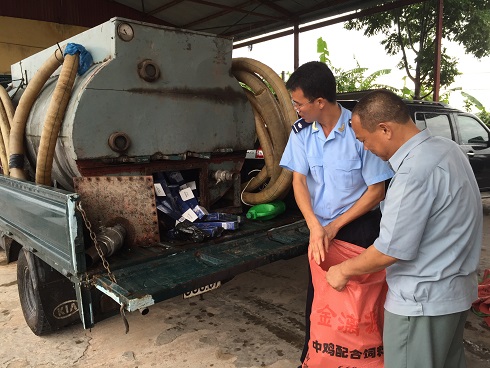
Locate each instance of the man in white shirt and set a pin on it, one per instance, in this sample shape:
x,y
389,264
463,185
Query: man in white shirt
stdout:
x,y
430,237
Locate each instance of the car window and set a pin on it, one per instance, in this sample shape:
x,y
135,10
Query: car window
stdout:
x,y
472,131
438,124
420,121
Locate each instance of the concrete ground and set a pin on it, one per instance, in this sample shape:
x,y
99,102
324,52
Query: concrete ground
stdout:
x,y
255,320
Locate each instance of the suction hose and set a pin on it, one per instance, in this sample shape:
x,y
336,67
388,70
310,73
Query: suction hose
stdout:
x,y
265,106
54,118
6,116
3,158
16,143
7,104
266,146
3,148
268,110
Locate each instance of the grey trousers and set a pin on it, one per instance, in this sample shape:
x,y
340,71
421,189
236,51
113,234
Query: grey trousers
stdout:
x,y
425,341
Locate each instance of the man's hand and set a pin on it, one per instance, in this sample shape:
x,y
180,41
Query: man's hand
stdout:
x,y
331,231
336,278
318,244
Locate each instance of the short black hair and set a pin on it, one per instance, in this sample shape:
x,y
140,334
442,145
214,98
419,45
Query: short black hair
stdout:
x,y
315,80
380,106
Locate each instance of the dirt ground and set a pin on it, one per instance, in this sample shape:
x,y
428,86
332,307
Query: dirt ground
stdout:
x,y
248,322
255,320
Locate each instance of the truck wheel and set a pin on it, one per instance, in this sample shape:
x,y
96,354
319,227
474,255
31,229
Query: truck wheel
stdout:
x,y
30,299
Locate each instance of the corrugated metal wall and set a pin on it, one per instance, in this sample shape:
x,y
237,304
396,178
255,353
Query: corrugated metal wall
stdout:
x,y
86,13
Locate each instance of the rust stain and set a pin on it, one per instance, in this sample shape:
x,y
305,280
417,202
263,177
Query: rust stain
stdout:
x,y
129,200
219,95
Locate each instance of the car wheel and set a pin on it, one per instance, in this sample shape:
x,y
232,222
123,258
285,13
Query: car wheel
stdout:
x,y
30,300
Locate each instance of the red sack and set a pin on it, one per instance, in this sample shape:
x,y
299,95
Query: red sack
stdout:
x,y
481,307
346,327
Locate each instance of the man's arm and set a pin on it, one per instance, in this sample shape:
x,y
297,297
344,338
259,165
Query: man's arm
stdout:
x,y
318,237
369,261
370,199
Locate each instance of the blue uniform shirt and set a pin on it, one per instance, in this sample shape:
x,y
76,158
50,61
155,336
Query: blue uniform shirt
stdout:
x,y
337,168
432,222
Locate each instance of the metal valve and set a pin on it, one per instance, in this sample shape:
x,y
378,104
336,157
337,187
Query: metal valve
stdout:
x,y
224,175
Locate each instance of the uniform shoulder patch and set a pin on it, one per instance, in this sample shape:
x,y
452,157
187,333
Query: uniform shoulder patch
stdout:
x,y
299,125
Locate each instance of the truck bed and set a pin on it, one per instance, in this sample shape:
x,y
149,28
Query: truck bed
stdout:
x,y
146,275
45,221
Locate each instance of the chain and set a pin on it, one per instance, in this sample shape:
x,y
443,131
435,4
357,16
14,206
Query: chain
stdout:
x,y
94,239
104,261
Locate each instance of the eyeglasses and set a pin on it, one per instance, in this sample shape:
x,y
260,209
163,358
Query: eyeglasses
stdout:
x,y
298,106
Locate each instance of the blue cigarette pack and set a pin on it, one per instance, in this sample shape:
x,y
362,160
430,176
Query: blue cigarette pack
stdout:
x,y
220,216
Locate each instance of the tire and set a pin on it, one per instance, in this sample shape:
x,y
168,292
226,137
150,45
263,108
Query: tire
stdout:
x,y
30,299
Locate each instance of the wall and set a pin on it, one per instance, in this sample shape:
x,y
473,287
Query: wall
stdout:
x,y
20,38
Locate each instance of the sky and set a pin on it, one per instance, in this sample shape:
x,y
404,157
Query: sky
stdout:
x,y
344,45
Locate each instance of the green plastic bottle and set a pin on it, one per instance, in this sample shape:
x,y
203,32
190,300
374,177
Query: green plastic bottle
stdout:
x,y
266,211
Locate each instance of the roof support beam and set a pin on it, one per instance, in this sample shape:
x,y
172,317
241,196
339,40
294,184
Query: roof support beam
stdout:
x,y
361,13
234,8
275,7
296,45
216,15
438,45
163,7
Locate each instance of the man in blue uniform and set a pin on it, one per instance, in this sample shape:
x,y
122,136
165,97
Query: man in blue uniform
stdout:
x,y
337,184
429,241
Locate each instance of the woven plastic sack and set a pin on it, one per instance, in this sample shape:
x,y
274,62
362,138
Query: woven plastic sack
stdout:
x,y
481,307
346,327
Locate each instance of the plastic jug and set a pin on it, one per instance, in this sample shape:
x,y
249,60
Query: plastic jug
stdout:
x,y
266,211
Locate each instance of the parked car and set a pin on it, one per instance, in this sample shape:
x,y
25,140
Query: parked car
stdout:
x,y
472,135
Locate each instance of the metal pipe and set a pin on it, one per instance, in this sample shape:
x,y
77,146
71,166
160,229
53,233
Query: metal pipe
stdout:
x,y
109,240
437,61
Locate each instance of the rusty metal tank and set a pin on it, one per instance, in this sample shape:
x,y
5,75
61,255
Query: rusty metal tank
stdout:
x,y
154,93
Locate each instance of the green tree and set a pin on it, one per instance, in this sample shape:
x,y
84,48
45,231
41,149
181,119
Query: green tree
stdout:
x,y
411,32
484,116
353,79
471,101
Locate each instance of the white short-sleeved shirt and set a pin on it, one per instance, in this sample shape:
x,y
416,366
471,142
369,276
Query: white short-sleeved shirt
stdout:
x,y
337,168
432,222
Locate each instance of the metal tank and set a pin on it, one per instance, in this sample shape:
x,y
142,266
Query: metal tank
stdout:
x,y
154,95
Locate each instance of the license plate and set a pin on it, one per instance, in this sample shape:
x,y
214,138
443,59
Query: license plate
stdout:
x,y
202,290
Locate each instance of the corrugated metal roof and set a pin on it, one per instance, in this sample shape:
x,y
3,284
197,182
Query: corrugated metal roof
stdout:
x,y
239,19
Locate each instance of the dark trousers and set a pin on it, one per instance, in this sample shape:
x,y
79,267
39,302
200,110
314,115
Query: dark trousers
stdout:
x,y
363,231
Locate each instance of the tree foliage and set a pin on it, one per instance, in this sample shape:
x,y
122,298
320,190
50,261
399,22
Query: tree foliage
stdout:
x,y
353,79
484,116
471,101
411,33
